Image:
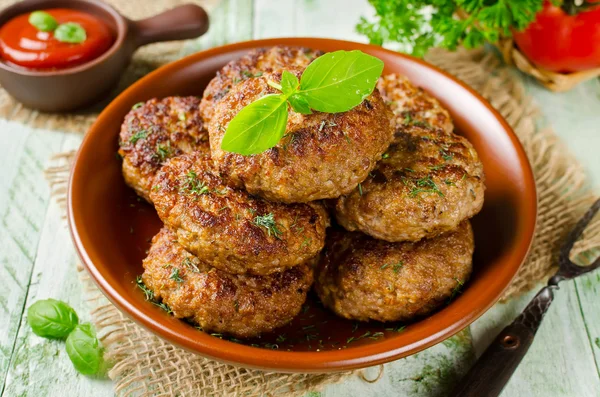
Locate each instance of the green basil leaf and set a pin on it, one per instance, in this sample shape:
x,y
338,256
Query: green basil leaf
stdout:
x,y
338,81
50,318
258,126
289,83
42,21
70,32
85,350
299,104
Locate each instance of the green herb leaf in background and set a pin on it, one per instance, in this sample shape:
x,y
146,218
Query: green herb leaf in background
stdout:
x,y
338,81
418,25
85,351
50,318
42,21
333,83
70,32
258,126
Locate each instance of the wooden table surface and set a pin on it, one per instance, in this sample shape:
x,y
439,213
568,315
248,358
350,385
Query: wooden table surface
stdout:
x,y
37,259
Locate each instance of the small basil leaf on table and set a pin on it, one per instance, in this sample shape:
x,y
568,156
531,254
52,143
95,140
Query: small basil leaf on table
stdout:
x,y
42,21
258,126
50,318
289,83
338,81
299,104
70,32
85,351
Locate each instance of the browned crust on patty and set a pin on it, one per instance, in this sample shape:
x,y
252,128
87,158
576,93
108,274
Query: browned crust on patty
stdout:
x,y
320,156
155,131
363,279
412,105
429,180
240,305
253,64
220,224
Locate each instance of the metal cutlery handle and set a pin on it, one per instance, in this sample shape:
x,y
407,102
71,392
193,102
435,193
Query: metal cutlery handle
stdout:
x,y
491,372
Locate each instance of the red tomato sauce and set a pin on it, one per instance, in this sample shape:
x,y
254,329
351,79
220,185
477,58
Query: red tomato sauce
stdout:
x,y
22,44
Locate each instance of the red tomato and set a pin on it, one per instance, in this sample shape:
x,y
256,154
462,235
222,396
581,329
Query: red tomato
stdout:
x,y
559,42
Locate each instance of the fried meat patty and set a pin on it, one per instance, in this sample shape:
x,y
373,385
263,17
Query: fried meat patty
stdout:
x,y
412,105
428,182
363,279
240,305
230,229
320,156
155,131
253,64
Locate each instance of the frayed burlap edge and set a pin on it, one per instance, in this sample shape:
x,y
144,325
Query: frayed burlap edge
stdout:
x,y
143,62
146,365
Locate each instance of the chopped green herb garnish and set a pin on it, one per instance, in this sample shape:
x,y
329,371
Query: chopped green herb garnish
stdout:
x,y
175,275
407,118
137,105
281,338
446,155
268,222
249,74
457,289
400,328
142,134
147,291
181,116
385,156
360,189
194,185
425,185
306,242
187,262
163,151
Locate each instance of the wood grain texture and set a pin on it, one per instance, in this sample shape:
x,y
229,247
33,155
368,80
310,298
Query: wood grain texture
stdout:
x,y
37,259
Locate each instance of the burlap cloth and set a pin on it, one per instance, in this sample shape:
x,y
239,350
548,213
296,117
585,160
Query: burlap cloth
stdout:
x,y
148,366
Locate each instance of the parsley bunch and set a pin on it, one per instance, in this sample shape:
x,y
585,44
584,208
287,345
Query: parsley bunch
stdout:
x,y
418,25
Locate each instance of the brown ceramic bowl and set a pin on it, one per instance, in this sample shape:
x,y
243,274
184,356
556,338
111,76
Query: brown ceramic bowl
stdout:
x,y
111,227
73,88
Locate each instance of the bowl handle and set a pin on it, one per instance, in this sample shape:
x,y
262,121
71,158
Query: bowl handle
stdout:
x,y
184,22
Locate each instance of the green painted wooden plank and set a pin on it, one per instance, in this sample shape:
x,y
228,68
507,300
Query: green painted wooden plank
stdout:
x,y
429,373
24,199
230,21
575,116
588,293
40,367
560,362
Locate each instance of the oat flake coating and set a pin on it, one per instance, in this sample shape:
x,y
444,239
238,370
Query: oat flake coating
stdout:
x,y
240,305
230,229
428,182
155,131
321,155
363,279
253,64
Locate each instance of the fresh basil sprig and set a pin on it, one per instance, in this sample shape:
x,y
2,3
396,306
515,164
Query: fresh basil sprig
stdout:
x,y
333,83
70,32
55,319
50,318
42,21
85,351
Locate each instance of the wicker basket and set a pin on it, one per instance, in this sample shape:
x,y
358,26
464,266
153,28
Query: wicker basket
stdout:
x,y
553,81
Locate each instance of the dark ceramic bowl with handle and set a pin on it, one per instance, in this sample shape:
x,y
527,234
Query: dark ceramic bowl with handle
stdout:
x,y
72,88
111,228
